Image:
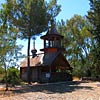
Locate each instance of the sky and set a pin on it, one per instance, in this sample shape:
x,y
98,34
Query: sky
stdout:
x,y
68,9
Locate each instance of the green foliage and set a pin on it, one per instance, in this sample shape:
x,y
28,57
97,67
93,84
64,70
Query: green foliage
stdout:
x,y
8,37
78,42
53,8
94,18
1,70
82,41
31,17
13,76
9,51
1,73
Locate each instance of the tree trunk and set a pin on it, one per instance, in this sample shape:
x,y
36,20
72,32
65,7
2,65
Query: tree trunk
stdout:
x,y
28,62
6,80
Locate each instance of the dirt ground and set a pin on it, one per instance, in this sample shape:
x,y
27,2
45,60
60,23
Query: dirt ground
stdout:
x,y
76,90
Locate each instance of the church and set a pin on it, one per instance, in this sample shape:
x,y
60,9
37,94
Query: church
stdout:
x,y
51,65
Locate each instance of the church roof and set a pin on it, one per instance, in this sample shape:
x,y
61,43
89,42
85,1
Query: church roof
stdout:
x,y
52,32
36,61
47,60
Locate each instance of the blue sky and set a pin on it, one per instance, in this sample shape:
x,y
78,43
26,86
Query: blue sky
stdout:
x,y
68,9
71,7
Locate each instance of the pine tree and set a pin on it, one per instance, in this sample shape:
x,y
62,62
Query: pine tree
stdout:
x,y
31,17
94,18
8,48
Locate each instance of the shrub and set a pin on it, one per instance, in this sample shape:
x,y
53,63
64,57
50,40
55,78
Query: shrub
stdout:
x,y
13,76
1,73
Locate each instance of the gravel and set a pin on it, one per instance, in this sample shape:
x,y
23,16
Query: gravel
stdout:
x,y
57,91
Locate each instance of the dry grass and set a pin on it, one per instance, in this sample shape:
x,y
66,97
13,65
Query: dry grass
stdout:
x,y
75,78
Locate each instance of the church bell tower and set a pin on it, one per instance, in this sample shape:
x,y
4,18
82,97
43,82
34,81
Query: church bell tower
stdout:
x,y
52,40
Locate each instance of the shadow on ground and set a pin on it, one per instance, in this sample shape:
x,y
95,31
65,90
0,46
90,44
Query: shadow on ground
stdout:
x,y
52,88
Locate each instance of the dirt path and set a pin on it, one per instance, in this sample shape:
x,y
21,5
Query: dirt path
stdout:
x,y
60,91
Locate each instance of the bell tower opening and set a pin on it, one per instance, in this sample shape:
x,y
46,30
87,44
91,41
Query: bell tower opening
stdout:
x,y
52,39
